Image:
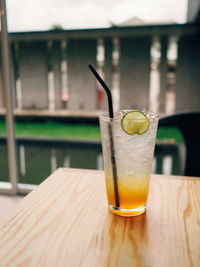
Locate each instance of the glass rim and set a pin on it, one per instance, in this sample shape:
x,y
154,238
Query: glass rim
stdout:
x,y
151,115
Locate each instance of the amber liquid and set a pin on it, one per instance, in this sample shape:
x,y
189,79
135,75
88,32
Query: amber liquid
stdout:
x,y
132,192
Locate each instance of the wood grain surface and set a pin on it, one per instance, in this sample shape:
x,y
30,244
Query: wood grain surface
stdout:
x,y
65,222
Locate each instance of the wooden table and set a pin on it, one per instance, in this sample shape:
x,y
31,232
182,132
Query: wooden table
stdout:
x,y
65,222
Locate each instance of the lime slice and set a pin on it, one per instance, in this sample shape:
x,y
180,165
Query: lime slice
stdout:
x,y
135,122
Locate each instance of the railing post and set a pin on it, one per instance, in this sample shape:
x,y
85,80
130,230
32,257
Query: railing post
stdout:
x,y
8,96
163,74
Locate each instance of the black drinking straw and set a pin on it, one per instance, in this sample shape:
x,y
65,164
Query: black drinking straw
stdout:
x,y
111,114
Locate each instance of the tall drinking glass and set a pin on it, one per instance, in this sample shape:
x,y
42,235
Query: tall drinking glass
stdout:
x,y
127,163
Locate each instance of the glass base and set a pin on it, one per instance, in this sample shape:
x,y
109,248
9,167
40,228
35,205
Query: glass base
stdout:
x,y
127,212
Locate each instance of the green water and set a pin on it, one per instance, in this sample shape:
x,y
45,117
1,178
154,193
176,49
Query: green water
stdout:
x,y
77,131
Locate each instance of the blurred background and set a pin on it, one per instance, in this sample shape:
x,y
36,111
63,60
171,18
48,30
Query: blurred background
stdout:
x,y
147,52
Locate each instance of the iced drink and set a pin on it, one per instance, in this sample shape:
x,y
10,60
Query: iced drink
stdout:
x,y
128,176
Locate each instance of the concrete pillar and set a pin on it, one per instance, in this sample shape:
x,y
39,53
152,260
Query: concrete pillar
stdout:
x,y
108,61
107,70
193,10
1,88
188,74
2,101
33,74
82,84
115,75
163,73
13,74
56,61
134,72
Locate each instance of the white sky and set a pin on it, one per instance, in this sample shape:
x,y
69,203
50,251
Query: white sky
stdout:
x,y
30,15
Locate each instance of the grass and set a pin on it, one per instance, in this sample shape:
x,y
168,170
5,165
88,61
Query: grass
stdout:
x,y
76,131
54,129
172,134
